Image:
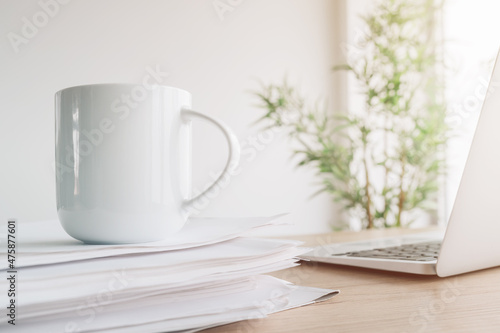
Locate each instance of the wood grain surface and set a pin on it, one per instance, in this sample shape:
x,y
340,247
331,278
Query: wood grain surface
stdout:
x,y
379,301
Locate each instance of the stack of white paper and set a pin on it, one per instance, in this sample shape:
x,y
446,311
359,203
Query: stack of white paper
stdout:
x,y
205,275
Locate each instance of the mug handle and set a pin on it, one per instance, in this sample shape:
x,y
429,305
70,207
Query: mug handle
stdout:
x,y
233,158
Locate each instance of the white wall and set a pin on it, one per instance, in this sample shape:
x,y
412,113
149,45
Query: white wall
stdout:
x,y
218,61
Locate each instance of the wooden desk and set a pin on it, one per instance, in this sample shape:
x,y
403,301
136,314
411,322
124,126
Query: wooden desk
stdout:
x,y
378,301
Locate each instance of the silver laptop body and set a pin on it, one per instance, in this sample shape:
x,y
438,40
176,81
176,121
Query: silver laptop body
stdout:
x,y
472,238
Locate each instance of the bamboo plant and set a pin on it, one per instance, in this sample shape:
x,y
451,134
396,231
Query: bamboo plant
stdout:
x,y
383,163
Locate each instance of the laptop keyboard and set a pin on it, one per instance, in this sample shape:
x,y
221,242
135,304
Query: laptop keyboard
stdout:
x,y
427,251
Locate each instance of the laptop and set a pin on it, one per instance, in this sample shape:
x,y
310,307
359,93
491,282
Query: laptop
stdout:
x,y
472,238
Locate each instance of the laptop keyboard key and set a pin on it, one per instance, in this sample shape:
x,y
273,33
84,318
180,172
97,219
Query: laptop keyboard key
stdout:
x,y
414,252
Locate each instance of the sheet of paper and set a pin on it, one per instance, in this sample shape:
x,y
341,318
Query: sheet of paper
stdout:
x,y
298,297
165,308
104,296
265,295
46,242
233,251
50,286
205,275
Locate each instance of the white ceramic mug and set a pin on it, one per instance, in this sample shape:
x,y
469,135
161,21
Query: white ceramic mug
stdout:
x,y
123,164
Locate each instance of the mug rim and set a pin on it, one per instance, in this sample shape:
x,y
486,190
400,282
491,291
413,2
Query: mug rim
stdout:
x,y
120,84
